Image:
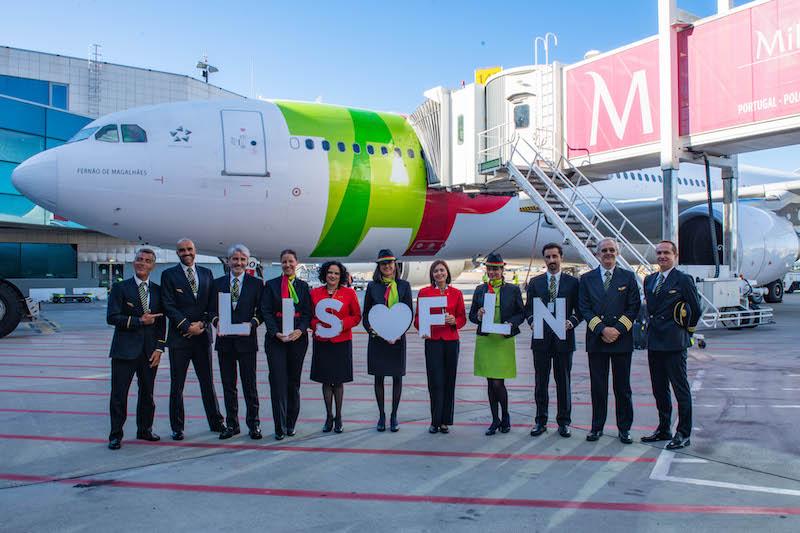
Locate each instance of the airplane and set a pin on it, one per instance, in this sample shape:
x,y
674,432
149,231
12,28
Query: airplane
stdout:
x,y
341,183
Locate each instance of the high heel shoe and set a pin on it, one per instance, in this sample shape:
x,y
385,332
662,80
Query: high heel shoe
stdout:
x,y
337,424
381,423
493,428
328,424
505,425
393,425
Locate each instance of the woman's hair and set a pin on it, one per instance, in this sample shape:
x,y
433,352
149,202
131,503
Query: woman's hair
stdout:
x,y
434,265
377,277
288,251
343,275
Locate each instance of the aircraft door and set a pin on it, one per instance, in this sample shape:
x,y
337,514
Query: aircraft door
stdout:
x,y
244,145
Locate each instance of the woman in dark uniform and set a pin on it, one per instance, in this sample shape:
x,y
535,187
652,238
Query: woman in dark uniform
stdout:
x,y
386,358
285,353
332,359
495,354
441,346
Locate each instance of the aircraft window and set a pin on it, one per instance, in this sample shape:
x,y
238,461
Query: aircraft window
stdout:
x,y
460,122
370,149
640,177
410,153
85,133
356,148
326,145
624,175
399,152
108,133
132,133
384,150
660,179
340,146
310,144
522,116
646,177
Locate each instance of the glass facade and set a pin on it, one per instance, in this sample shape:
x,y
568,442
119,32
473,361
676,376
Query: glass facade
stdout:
x,y
27,129
39,91
38,260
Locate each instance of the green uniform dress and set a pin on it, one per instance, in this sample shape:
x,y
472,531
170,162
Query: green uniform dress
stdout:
x,y
495,355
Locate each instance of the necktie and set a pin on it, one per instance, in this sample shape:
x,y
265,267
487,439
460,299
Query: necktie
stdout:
x,y
192,280
607,280
553,289
143,296
659,283
235,291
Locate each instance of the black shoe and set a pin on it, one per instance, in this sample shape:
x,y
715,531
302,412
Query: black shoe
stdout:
x,y
678,441
381,422
290,432
279,436
564,431
444,429
177,435
147,435
433,429
219,428
505,425
229,432
538,429
594,435
657,436
625,437
493,428
337,424
114,444
393,425
328,426
255,433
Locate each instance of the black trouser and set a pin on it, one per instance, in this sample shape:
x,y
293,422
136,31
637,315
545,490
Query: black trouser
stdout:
x,y
285,361
199,354
122,372
669,368
247,371
441,363
621,373
562,369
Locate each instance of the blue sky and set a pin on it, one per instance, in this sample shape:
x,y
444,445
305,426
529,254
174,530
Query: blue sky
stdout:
x,y
377,55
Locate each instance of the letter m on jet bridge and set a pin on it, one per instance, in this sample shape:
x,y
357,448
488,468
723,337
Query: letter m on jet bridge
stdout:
x,y
620,123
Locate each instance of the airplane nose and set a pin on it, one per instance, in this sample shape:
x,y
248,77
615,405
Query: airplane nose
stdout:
x,y
37,179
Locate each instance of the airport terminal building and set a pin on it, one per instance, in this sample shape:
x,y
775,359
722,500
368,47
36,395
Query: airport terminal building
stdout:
x,y
44,100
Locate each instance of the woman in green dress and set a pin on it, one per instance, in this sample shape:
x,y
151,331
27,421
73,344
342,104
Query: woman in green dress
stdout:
x,y
495,354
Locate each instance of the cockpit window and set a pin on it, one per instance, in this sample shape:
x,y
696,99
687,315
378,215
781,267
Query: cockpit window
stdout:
x,y
133,133
108,134
85,133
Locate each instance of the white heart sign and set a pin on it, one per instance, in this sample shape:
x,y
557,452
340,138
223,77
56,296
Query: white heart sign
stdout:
x,y
390,322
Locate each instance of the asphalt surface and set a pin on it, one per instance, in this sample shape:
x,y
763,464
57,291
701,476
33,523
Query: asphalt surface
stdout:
x,y
741,472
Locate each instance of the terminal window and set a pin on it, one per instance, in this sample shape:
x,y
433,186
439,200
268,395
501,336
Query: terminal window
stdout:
x,y
39,91
38,260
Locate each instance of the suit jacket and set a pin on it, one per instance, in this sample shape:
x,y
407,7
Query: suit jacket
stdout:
x,y
131,337
617,307
374,295
248,309
567,289
181,306
512,309
663,333
271,306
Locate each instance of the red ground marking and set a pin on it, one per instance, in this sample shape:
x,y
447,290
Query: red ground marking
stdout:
x,y
343,450
412,498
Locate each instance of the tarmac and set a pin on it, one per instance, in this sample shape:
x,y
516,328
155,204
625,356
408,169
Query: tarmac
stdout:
x,y
740,473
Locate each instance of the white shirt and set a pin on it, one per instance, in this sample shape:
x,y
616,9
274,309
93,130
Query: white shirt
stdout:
x,y
147,298
603,273
194,271
241,287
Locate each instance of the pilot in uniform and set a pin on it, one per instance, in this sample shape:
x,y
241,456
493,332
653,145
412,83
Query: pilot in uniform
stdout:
x,y
673,309
609,302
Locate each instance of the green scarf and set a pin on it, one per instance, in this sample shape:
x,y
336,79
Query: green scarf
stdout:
x,y
287,288
494,287
391,295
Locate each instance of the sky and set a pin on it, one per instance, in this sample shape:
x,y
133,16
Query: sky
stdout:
x,y
375,55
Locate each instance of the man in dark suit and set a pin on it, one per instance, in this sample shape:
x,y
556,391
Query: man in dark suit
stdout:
x,y
135,311
609,302
186,290
673,309
550,349
245,291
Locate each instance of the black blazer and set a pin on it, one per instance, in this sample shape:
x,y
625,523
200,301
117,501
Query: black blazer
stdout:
x,y
181,306
271,306
617,307
248,309
512,309
567,289
374,295
663,333
131,337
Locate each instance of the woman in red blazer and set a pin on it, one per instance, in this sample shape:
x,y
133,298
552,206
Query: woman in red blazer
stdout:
x,y
332,359
441,347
